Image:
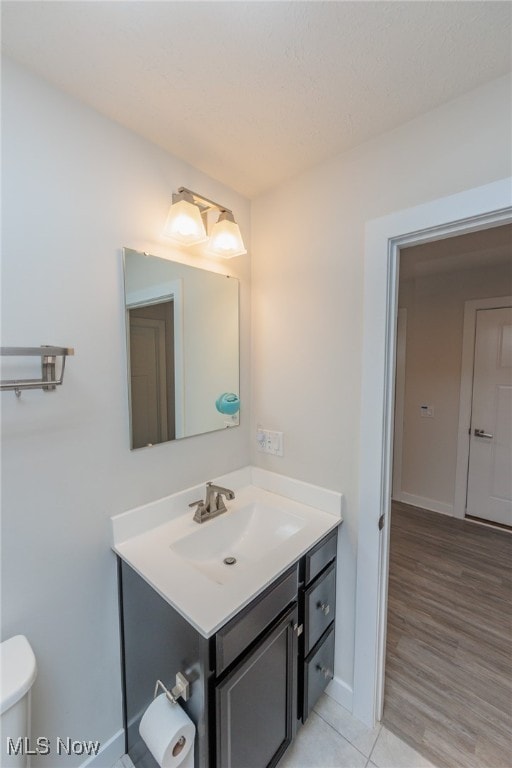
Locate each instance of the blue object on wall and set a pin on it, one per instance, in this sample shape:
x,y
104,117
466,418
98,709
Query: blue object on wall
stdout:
x,y
228,403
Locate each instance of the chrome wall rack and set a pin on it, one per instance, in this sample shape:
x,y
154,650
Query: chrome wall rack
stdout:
x,y
48,355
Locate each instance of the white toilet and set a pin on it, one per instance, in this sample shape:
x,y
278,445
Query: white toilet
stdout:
x,y
17,674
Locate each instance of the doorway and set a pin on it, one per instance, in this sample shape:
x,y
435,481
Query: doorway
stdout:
x,y
476,209
447,650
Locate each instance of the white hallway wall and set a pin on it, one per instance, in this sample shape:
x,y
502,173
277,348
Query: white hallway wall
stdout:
x,y
76,188
435,322
307,289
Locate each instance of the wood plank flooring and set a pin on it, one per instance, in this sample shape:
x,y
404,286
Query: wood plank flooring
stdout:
x,y
448,690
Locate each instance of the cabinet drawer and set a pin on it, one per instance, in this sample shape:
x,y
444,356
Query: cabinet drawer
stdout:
x,y
319,607
320,556
235,637
318,670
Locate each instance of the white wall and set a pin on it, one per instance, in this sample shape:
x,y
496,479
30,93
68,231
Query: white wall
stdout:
x,y
307,282
76,188
435,321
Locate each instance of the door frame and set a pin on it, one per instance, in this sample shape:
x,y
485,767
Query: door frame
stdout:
x,y
475,209
466,393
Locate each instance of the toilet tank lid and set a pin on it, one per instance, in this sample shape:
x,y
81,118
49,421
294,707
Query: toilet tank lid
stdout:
x,y
17,670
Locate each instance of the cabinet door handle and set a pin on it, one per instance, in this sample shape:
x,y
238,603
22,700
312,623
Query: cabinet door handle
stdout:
x,y
326,672
298,629
324,607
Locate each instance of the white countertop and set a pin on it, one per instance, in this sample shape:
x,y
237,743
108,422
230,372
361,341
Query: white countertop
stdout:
x,y
144,537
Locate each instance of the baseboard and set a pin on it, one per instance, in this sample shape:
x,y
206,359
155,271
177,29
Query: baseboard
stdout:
x,y
109,753
421,501
341,692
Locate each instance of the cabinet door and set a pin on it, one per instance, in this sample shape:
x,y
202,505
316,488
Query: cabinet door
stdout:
x,y
256,702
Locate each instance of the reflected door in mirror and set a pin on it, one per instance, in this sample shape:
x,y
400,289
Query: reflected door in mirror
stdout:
x,y
152,373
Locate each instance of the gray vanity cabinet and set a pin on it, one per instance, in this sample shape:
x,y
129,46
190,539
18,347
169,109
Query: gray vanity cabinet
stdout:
x,y
253,682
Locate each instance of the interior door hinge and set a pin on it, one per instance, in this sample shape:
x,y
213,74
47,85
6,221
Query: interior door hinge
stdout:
x,y
381,522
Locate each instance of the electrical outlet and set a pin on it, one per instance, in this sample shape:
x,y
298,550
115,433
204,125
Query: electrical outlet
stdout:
x,y
261,440
269,441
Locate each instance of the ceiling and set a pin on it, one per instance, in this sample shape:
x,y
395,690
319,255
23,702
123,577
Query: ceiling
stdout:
x,y
483,248
252,93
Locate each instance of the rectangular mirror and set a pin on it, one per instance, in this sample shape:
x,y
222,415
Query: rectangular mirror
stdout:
x,y
182,330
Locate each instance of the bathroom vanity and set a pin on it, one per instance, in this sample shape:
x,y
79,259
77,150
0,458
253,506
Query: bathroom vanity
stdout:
x,y
254,676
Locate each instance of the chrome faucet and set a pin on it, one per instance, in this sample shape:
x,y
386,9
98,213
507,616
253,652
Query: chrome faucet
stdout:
x,y
213,504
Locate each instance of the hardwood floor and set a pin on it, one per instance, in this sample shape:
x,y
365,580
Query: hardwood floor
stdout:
x,y
448,690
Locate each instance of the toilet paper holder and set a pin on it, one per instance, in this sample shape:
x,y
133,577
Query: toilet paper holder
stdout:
x,y
180,690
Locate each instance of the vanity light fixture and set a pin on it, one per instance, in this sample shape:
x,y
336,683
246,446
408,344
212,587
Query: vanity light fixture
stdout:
x,y
187,224
225,238
184,223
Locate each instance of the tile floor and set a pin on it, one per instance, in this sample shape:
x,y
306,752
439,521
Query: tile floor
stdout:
x,y
123,762
332,738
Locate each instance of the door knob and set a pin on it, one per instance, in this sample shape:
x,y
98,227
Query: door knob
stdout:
x,y
482,433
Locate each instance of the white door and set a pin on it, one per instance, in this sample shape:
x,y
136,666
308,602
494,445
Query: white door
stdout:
x,y
490,453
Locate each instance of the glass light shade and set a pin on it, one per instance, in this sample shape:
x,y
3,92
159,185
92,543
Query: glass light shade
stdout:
x,y
184,224
225,239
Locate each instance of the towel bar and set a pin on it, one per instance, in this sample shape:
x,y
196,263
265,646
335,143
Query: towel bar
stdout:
x,y
48,355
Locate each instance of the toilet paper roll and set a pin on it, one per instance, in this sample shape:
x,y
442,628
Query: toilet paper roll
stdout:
x,y
168,733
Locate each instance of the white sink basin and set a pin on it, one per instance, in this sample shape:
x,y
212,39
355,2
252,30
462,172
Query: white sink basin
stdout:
x,y
265,531
246,534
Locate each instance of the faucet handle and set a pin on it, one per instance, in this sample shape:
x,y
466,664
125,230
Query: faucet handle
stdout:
x,y
200,511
